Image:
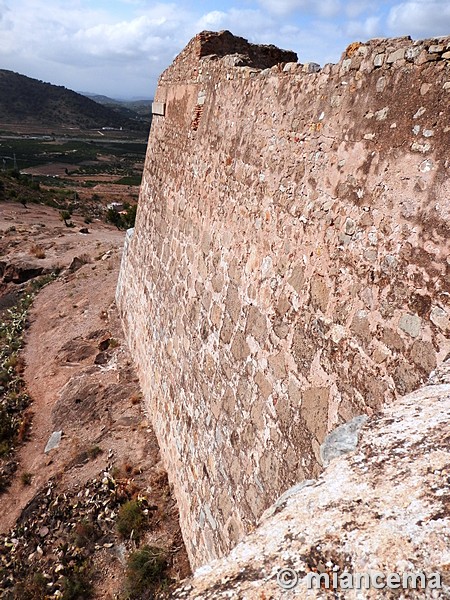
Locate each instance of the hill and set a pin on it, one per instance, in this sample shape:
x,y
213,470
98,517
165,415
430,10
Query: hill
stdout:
x,y
137,109
23,99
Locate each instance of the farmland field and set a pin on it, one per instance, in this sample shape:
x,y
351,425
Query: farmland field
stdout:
x,y
97,166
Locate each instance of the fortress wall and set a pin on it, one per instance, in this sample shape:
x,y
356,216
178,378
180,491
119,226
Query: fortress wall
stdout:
x,y
289,267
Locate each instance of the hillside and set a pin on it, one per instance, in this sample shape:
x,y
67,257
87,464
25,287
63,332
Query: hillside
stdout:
x,y
140,109
23,99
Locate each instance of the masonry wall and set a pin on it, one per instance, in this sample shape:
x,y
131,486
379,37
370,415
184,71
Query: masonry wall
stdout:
x,y
290,264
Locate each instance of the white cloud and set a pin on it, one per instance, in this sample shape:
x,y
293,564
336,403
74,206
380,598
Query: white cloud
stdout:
x,y
366,29
324,8
128,43
420,18
251,24
90,49
355,8
213,20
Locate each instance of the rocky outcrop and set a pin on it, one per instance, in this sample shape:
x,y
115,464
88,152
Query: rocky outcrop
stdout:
x,y
384,508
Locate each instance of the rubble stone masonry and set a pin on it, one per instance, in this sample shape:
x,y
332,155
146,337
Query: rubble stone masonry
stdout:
x,y
290,265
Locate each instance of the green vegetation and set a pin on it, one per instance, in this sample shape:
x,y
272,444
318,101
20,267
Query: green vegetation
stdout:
x,y
122,220
78,585
17,187
65,216
94,452
25,99
85,534
130,180
34,587
32,152
146,573
26,478
131,520
14,421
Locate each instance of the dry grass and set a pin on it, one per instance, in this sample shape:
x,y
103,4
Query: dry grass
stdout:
x,y
37,251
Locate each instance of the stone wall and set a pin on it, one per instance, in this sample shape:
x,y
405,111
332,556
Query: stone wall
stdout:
x,y
290,264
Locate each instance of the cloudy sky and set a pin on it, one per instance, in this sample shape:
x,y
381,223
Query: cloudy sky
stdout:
x,y
119,47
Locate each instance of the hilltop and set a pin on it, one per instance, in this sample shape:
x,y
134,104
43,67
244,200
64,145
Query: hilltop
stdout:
x,y
27,100
141,109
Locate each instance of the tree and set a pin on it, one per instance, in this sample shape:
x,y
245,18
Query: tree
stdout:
x,y
113,217
65,215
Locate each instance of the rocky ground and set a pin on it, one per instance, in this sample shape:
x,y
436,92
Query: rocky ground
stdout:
x,y
59,518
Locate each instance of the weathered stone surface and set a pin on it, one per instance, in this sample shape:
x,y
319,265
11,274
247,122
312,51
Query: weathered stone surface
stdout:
x,y
410,324
397,55
291,245
440,318
342,440
311,67
384,508
53,441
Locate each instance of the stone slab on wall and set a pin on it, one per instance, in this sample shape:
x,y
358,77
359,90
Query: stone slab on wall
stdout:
x,y
289,267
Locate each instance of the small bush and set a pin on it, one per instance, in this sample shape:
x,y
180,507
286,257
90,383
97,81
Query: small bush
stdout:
x,y
146,572
136,398
85,534
34,587
65,216
131,520
38,251
94,452
26,478
23,432
77,585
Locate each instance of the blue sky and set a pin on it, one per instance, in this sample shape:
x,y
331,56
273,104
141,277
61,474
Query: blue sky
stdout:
x,y
119,47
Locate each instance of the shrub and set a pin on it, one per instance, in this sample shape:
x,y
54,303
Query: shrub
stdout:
x,y
26,478
65,216
77,585
85,534
38,251
131,519
94,452
146,572
34,587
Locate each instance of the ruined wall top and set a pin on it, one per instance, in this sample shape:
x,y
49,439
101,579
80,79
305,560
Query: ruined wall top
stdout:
x,y
223,49
216,45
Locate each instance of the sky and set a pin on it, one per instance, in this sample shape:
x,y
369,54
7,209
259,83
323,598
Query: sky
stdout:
x,y
120,47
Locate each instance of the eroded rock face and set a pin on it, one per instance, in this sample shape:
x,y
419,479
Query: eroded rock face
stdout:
x,y
289,266
384,508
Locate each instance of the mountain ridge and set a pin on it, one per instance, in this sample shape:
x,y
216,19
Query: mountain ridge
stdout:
x,y
33,101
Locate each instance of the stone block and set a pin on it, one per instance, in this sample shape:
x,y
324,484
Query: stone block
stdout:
x,y
410,324
440,318
436,48
159,108
412,53
342,440
257,325
395,56
379,60
311,67
314,410
290,67
239,348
